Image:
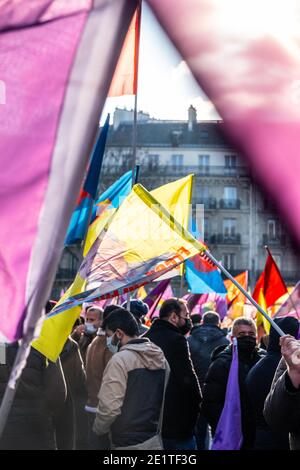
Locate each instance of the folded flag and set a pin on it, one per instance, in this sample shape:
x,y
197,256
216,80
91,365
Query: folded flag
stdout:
x,y
228,435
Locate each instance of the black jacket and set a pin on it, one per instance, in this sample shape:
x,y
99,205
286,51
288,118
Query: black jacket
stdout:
x,y
282,406
203,341
259,381
183,395
215,389
39,397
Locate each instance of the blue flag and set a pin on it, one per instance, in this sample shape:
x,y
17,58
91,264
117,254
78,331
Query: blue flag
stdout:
x,y
81,215
201,275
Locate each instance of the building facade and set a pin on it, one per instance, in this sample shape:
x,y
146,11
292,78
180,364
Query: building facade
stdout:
x,y
238,220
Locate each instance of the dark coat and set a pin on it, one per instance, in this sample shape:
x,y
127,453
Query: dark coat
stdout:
x,y
258,383
83,340
72,423
282,406
215,389
183,394
203,340
40,395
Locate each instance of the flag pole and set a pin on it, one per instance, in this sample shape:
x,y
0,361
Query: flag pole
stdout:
x,y
135,168
248,296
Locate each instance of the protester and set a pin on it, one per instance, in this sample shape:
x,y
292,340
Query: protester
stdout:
x,y
196,320
203,340
282,405
183,395
131,394
72,424
84,334
97,359
139,309
259,381
217,376
40,395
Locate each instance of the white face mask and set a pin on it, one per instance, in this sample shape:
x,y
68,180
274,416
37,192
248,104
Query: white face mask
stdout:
x,y
114,348
90,328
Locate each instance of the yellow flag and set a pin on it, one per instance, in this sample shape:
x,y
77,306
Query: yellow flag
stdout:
x,y
140,243
175,197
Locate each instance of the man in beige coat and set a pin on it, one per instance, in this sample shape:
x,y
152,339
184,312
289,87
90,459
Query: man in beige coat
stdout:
x,y
131,394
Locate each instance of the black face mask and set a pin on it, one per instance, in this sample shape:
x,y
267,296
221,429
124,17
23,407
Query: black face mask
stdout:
x,y
186,327
246,344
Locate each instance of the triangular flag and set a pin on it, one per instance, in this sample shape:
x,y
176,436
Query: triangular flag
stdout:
x,y
124,81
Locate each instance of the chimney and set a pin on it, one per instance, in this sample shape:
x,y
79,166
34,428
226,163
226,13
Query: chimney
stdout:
x,y
192,113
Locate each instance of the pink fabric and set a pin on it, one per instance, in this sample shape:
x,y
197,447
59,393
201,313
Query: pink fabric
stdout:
x,y
34,65
245,56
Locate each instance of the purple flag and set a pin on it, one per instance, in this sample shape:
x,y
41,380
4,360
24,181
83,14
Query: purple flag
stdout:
x,y
56,63
156,292
228,435
258,94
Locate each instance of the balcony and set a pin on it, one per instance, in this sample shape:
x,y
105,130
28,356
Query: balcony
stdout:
x,y
279,240
209,202
221,239
149,169
230,204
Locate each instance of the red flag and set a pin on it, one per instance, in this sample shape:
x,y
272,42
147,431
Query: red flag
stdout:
x,y
124,81
270,282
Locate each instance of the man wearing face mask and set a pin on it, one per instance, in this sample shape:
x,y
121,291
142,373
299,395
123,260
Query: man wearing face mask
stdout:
x,y
132,390
84,334
215,383
183,395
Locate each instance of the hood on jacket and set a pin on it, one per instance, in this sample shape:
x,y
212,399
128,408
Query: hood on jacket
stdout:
x,y
151,355
207,333
289,326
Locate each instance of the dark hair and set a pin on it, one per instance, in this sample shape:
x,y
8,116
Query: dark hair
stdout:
x,y
169,306
122,319
196,318
211,318
109,309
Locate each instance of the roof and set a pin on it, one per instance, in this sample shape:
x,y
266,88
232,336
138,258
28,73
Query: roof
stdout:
x,y
169,134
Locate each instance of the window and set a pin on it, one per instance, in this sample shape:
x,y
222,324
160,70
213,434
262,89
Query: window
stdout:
x,y
204,163
229,228
277,259
230,193
177,160
153,160
273,229
230,161
228,260
203,193
206,224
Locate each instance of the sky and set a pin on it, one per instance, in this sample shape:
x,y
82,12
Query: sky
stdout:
x,y
166,87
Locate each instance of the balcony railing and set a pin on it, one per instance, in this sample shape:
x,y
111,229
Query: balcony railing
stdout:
x,y
230,204
170,170
222,239
280,240
209,202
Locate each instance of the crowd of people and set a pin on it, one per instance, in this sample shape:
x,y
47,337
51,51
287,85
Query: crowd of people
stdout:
x,y
119,384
